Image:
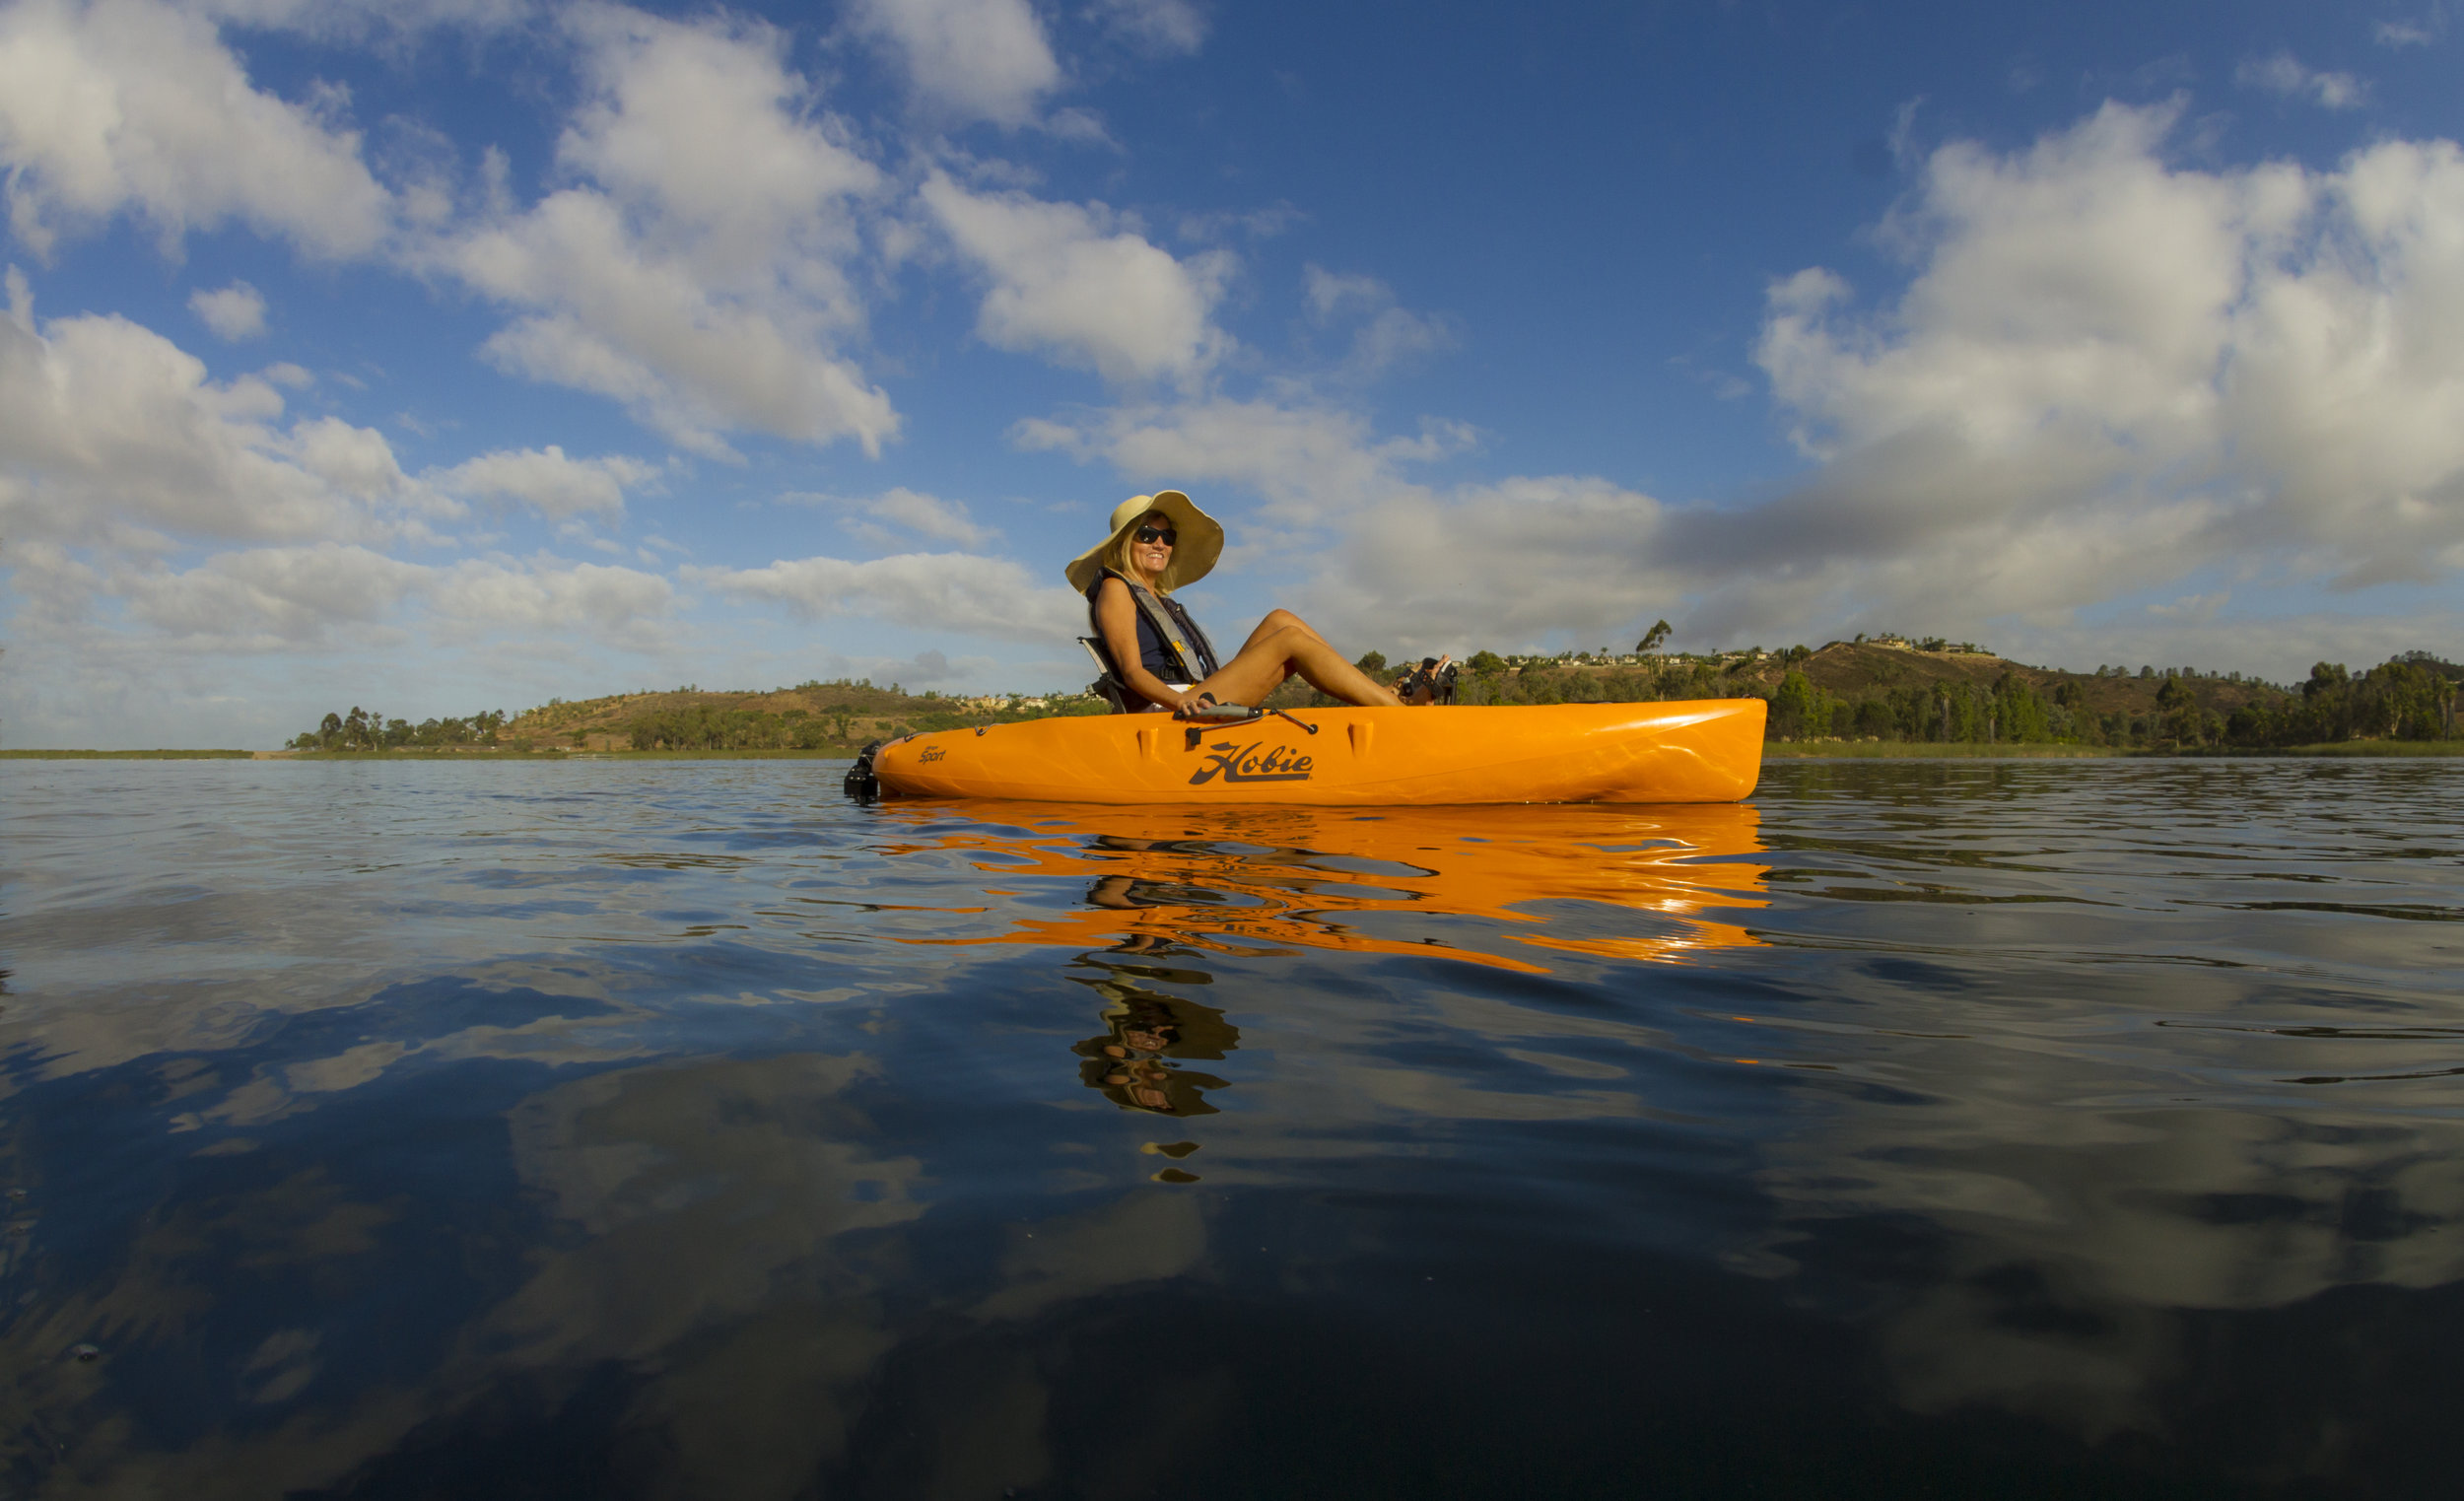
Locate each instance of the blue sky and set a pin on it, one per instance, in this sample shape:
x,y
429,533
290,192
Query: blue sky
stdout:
x,y
449,353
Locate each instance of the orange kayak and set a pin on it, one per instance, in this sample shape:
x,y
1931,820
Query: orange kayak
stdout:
x,y
1704,750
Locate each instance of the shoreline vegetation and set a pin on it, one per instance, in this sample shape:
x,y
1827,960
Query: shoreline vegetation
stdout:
x,y
1904,750
1880,696
1772,750
130,755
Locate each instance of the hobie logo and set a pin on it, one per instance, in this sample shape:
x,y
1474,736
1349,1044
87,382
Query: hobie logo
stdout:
x,y
1242,763
931,753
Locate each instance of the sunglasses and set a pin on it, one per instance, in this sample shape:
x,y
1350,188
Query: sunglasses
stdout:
x,y
1164,534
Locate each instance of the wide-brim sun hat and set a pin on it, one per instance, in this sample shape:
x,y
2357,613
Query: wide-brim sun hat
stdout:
x,y
1194,555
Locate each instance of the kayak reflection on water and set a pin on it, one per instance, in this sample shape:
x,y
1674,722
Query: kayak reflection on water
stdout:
x,y
1145,895
1608,881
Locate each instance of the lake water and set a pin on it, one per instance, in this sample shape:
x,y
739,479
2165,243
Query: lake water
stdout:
x,y
620,1128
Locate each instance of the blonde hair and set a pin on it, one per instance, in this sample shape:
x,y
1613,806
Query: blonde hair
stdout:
x,y
1116,553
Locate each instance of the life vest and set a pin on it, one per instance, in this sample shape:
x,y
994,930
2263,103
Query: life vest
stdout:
x,y
1170,644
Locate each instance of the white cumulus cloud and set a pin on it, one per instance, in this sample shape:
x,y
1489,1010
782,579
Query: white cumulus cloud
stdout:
x,y
133,105
704,127
897,510
234,313
962,593
1330,292
697,276
2109,378
2110,371
970,59
2283,73
1073,282
1386,335
1159,27
269,598
111,434
547,480
360,19
2410,34
1508,563
1314,464
552,596
261,600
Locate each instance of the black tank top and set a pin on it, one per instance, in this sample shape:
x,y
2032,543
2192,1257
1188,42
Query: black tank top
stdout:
x,y
1154,654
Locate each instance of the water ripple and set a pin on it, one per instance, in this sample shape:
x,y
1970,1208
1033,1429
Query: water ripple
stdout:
x,y
631,1129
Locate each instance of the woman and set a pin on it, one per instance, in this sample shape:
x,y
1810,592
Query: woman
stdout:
x,y
1160,542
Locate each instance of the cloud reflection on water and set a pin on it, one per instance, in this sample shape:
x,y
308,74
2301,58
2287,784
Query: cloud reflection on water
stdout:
x,y
815,1167
2090,1143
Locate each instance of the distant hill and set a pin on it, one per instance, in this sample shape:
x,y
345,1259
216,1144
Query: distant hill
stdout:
x,y
823,717
1855,670
854,713
1847,670
1886,689
812,715
1930,691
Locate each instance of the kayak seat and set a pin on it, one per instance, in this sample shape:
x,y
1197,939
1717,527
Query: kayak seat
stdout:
x,y
1440,685
1108,684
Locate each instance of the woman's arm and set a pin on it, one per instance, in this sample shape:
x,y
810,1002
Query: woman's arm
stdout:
x,y
1116,621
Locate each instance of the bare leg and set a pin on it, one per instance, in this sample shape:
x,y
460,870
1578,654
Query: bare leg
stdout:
x,y
1276,620
1278,649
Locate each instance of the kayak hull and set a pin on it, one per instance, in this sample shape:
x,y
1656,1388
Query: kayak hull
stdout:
x,y
1706,750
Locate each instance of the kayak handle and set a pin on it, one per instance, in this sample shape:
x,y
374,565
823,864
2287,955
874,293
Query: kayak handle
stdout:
x,y
1228,715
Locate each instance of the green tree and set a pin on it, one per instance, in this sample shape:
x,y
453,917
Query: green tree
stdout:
x,y
1799,710
2018,712
2172,699
1652,638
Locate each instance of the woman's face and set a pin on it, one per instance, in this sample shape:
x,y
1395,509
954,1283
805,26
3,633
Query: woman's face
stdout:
x,y
1152,558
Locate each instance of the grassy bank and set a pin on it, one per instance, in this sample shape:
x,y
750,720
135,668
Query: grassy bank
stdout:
x,y
1885,750
1775,750
491,754
130,755
557,753
2372,748
1792,750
